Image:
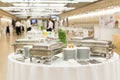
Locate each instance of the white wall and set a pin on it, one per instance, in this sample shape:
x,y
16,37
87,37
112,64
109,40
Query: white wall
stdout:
x,y
3,24
105,33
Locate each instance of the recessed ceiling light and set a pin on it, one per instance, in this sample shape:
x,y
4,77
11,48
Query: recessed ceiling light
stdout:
x,y
50,1
38,5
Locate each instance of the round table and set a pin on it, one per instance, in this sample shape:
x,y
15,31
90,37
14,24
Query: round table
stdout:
x,y
109,69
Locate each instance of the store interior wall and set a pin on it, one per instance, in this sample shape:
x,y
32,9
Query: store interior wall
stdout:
x,y
5,20
103,4
89,21
80,22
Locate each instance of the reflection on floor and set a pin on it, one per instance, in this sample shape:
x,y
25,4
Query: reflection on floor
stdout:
x,y
5,49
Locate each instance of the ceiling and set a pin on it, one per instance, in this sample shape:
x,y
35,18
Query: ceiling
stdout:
x,y
41,8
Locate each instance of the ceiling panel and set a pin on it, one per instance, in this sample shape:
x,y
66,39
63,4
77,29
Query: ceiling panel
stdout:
x,y
40,8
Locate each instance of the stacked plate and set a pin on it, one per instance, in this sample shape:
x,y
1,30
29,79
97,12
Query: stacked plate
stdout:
x,y
69,53
83,53
79,53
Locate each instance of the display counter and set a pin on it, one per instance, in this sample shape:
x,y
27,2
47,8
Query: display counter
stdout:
x,y
108,69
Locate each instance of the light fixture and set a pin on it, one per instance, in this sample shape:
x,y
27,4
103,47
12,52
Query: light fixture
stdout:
x,y
38,5
97,13
6,19
52,7
49,1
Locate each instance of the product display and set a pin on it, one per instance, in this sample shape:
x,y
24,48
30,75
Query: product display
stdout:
x,y
19,43
77,49
35,37
99,48
50,53
46,50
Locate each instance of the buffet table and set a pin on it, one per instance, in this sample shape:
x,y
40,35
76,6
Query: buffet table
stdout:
x,y
109,69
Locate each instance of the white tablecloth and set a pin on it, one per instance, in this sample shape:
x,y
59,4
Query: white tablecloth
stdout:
x,y
64,70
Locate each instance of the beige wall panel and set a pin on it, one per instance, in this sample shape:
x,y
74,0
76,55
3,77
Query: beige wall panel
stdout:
x,y
84,21
5,20
99,5
3,13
